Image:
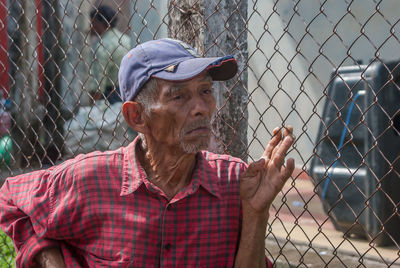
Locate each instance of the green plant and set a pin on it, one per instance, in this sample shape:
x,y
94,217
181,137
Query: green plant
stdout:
x,y
7,252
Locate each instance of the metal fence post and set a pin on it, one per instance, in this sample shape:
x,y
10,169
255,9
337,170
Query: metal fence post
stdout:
x,y
218,28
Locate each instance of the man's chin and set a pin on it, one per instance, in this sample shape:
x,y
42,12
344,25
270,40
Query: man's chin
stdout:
x,y
194,146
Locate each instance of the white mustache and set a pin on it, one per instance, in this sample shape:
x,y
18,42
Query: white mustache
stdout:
x,y
202,123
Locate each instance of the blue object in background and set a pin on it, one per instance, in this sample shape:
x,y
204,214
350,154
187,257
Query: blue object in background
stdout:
x,y
328,179
5,151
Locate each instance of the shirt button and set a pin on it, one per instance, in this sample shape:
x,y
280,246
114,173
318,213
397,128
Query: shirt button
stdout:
x,y
169,207
167,246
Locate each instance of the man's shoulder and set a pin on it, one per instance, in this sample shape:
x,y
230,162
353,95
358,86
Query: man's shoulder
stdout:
x,y
74,172
90,164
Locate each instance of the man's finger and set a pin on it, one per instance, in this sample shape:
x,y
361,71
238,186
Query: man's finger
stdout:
x,y
277,135
288,130
288,169
281,151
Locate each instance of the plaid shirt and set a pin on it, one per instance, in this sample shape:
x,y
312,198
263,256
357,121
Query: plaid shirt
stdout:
x,y
102,211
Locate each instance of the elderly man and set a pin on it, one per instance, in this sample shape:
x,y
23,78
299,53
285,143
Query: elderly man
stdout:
x,y
161,201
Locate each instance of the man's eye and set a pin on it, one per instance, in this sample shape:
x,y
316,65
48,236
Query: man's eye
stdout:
x,y
207,91
177,97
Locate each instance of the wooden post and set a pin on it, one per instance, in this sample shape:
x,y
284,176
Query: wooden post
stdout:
x,y
27,111
218,28
52,121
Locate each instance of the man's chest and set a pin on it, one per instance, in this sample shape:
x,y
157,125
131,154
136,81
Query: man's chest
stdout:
x,y
200,230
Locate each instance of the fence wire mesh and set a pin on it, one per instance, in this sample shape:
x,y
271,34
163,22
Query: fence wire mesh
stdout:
x,y
329,68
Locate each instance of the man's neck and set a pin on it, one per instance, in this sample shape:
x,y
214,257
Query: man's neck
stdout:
x,y
170,169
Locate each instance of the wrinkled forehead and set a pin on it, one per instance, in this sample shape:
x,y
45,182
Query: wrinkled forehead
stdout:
x,y
176,85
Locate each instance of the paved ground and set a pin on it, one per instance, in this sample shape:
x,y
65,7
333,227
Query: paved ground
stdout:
x,y
301,235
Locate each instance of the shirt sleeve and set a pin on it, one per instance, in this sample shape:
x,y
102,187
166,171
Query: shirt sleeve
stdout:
x,y
269,263
24,209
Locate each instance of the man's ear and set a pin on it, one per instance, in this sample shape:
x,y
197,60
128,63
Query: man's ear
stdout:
x,y
133,113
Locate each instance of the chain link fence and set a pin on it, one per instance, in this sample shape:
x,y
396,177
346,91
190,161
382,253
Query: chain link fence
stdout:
x,y
330,68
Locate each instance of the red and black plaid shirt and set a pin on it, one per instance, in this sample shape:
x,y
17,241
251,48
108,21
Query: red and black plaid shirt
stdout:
x,y
102,211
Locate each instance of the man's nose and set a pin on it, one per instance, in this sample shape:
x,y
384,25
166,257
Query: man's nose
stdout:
x,y
200,106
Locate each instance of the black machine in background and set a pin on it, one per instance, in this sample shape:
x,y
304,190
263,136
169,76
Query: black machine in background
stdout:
x,y
356,163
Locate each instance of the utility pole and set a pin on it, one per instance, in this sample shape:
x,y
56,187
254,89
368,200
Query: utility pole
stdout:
x,y
217,28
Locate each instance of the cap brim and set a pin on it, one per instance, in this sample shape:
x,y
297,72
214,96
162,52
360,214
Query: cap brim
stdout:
x,y
220,69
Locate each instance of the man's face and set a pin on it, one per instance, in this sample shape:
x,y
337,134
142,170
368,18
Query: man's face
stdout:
x,y
180,118
97,28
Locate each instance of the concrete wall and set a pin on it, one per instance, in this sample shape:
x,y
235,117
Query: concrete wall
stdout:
x,y
294,47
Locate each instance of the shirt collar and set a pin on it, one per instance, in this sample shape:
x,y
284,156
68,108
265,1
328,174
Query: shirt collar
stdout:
x,y
133,173
205,174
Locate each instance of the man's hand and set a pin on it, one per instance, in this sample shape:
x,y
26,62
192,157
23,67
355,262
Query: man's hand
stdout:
x,y
263,179
50,258
259,185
